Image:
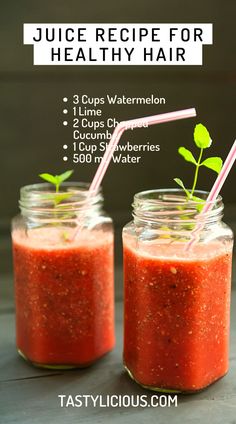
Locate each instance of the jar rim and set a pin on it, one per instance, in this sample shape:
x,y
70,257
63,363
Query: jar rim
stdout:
x,y
173,196
172,205
43,197
37,189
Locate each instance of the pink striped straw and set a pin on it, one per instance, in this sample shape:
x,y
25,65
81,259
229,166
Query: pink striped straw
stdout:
x,y
122,126
214,191
115,138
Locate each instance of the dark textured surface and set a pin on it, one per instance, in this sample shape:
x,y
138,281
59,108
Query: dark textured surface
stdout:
x,y
30,396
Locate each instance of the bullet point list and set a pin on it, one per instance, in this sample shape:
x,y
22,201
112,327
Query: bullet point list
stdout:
x,y
65,123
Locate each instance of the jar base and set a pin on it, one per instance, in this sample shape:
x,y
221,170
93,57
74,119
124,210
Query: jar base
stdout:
x,y
154,389
57,366
167,390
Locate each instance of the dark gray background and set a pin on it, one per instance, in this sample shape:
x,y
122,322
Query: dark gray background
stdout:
x,y
31,105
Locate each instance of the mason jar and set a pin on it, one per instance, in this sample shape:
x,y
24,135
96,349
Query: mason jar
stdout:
x,y
177,279
64,272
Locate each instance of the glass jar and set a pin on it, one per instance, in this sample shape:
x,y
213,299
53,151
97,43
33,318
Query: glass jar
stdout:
x,y
176,292
63,267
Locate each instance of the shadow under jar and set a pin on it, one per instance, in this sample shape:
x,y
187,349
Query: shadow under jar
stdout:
x,y
176,296
64,290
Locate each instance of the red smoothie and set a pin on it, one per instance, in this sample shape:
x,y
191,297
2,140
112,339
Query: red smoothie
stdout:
x,y
176,313
64,296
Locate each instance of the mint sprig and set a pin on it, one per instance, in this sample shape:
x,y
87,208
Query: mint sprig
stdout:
x,y
203,141
57,180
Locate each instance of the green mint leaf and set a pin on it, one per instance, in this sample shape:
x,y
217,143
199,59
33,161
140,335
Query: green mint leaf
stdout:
x,y
181,184
58,198
202,137
187,155
197,199
202,140
200,201
56,180
64,176
215,163
65,236
49,178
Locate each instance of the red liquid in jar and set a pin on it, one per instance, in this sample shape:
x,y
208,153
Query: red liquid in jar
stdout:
x,y
177,314
64,296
